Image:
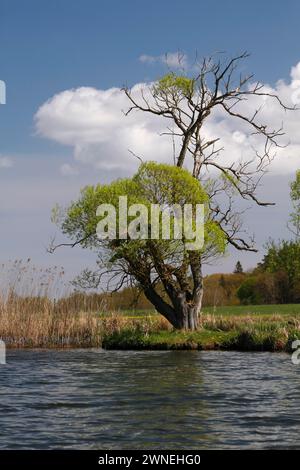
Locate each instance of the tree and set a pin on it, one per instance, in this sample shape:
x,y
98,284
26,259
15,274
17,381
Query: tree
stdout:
x,y
263,288
283,259
238,268
247,292
187,103
295,215
167,270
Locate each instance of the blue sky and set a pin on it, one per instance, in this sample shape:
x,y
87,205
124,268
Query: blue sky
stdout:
x,y
48,47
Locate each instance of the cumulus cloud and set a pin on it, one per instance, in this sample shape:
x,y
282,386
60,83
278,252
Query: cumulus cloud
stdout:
x,y
5,162
174,60
92,122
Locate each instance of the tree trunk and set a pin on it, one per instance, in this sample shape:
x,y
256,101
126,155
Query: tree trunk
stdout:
x,y
187,314
188,319
183,316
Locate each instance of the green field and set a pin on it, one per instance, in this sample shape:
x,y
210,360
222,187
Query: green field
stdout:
x,y
235,310
283,309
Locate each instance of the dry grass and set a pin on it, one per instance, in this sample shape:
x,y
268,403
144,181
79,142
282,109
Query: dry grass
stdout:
x,y
35,323
115,322
30,315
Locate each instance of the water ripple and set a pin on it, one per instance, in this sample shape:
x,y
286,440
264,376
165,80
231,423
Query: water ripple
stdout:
x,y
94,399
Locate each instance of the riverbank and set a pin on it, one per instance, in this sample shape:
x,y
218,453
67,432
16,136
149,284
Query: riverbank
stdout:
x,y
238,331
275,333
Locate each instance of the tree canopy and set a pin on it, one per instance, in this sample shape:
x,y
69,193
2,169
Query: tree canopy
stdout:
x,y
154,263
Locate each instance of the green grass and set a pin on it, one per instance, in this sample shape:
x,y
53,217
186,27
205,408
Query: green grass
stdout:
x,y
247,339
284,309
163,340
243,328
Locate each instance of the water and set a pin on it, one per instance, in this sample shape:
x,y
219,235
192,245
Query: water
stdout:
x,y
94,399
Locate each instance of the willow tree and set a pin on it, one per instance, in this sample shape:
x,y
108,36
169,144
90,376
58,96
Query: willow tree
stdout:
x,y
173,283
166,264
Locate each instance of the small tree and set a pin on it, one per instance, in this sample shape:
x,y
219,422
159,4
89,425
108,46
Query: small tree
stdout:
x,y
238,268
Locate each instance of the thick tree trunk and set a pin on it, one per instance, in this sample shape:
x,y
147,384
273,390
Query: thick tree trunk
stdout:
x,y
188,319
187,314
183,316
161,306
183,311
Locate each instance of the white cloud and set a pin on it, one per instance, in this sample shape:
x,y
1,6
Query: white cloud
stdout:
x,y
174,60
68,170
149,59
5,162
91,121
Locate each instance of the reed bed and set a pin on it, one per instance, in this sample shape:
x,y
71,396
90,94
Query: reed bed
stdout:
x,y
22,325
38,311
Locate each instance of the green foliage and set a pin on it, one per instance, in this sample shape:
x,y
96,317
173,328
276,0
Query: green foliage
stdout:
x,y
175,85
295,188
166,184
295,197
153,184
284,257
247,292
277,277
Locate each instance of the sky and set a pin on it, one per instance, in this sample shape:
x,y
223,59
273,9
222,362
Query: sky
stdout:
x,y
62,126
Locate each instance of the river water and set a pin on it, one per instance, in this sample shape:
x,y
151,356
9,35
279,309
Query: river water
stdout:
x,y
94,399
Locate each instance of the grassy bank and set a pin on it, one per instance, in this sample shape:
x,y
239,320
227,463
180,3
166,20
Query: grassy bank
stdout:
x,y
41,323
229,332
